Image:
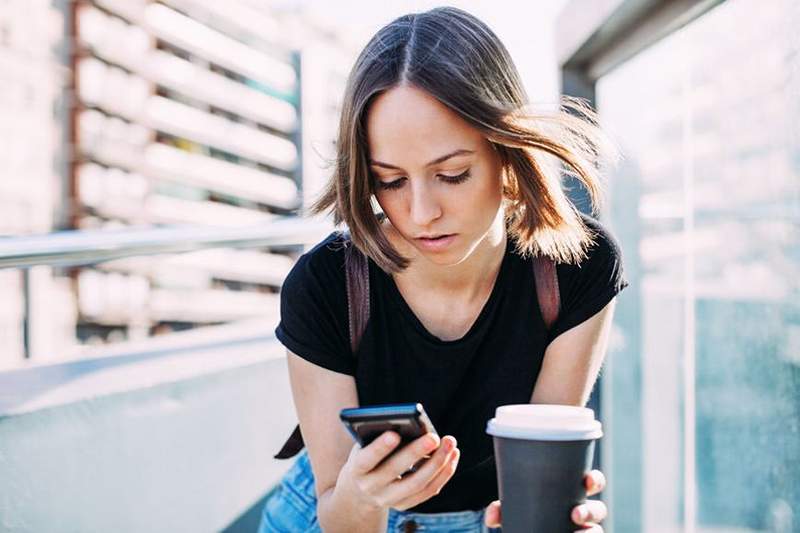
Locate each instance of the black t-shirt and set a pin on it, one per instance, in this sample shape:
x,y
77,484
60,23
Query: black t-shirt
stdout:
x,y
459,382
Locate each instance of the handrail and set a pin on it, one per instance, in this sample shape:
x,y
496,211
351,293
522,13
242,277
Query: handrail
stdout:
x,y
86,247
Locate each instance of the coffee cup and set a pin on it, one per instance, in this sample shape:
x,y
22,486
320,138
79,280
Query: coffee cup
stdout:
x,y
543,453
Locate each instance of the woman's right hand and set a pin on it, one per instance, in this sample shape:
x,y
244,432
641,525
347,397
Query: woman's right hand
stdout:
x,y
378,483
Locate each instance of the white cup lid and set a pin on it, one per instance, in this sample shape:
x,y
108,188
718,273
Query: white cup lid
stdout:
x,y
544,422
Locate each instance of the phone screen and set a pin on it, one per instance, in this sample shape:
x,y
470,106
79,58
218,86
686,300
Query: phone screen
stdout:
x,y
366,424
369,430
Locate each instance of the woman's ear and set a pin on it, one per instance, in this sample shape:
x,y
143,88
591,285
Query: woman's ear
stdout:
x,y
506,190
505,168
509,181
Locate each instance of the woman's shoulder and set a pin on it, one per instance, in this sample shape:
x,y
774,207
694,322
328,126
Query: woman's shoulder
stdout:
x,y
604,246
587,287
329,251
322,266
600,271
314,306
602,259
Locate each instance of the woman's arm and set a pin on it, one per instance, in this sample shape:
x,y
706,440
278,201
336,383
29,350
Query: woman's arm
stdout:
x,y
356,486
319,394
570,368
573,360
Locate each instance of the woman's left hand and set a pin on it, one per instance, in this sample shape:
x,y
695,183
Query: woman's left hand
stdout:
x,y
587,515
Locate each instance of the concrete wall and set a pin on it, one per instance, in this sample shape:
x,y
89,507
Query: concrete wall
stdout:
x,y
188,454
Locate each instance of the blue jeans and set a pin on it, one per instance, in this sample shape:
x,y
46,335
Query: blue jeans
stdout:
x,y
292,508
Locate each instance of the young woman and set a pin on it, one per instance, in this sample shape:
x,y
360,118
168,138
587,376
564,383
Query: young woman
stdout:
x,y
435,133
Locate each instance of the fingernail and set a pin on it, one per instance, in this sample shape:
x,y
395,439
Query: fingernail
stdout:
x,y
456,455
432,443
583,513
390,439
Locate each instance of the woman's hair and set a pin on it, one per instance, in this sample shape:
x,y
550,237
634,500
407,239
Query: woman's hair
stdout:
x,y
458,60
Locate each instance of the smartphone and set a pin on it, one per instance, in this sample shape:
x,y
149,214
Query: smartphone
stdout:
x,y
408,420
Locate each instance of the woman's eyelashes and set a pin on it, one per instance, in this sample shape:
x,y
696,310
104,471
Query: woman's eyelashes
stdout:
x,y
460,178
453,180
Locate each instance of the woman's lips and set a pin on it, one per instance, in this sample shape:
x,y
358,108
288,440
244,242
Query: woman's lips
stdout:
x,y
436,244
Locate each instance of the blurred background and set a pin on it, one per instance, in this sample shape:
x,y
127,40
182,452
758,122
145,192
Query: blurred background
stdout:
x,y
155,156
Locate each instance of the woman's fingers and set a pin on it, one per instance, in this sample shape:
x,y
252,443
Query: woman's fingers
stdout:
x,y
415,483
399,463
391,483
492,517
433,485
595,482
587,515
369,457
590,513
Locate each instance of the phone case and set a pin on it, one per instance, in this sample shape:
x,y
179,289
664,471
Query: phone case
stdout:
x,y
365,424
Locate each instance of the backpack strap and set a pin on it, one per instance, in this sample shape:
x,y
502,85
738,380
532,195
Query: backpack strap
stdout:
x,y
547,292
356,270
292,446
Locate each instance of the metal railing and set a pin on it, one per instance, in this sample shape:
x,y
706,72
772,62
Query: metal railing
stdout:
x,y
86,247
120,402
74,248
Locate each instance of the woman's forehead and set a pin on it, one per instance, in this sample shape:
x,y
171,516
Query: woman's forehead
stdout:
x,y
406,125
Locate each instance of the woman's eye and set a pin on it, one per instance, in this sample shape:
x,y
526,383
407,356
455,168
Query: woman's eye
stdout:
x,y
460,178
396,184
389,185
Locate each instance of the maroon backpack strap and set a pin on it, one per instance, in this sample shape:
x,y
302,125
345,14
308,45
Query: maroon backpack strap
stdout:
x,y
356,269
546,278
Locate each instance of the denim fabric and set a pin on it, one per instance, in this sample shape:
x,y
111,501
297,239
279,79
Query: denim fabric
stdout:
x,y
456,522
292,508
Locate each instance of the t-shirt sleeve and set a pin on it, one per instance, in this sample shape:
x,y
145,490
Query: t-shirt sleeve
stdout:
x,y
313,321
587,288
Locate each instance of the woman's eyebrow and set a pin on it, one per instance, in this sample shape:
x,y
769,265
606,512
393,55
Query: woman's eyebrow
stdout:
x,y
442,159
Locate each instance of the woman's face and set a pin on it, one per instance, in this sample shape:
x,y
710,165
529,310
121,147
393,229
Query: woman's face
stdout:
x,y
437,179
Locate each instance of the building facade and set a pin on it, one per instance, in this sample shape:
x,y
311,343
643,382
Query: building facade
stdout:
x,y
700,393
148,113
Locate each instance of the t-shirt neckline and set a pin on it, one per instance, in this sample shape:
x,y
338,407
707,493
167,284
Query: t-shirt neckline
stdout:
x,y
408,313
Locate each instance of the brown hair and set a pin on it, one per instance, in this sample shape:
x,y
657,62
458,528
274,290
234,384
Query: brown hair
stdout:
x,y
457,59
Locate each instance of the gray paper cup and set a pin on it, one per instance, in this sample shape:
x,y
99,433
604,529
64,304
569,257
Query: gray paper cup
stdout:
x,y
542,453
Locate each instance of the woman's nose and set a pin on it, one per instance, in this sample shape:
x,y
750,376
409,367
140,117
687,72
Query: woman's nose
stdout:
x,y
425,207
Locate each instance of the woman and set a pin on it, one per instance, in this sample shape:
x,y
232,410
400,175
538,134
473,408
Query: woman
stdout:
x,y
435,134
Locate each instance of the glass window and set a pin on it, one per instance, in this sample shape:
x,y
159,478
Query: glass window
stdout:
x,y
702,388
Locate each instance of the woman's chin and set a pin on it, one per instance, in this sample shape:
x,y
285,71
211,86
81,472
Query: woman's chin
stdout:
x,y
443,259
